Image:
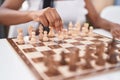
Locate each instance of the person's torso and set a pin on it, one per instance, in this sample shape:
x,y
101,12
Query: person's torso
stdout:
x,y
71,10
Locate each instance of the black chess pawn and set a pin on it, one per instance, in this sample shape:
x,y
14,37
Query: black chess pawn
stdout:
x,y
112,55
100,61
113,58
52,69
99,53
77,54
63,61
72,62
87,64
88,58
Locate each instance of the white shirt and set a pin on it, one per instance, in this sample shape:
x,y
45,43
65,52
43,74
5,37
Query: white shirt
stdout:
x,y
71,10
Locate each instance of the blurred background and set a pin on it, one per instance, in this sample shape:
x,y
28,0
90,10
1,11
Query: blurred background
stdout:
x,y
99,5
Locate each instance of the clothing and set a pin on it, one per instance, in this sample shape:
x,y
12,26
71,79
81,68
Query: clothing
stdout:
x,y
71,10
117,2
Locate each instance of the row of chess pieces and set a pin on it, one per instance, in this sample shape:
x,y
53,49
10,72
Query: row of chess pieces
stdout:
x,y
72,31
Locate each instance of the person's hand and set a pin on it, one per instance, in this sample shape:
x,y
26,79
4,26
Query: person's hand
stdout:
x,y
48,17
115,30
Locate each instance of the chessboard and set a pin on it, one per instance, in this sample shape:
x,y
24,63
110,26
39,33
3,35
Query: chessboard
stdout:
x,y
70,58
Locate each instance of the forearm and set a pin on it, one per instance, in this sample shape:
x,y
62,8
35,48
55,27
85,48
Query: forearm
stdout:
x,y
99,22
95,19
10,17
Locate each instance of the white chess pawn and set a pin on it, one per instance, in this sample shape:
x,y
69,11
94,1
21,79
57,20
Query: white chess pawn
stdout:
x,y
51,33
45,38
61,35
74,32
30,29
90,33
40,33
20,38
20,30
83,32
86,25
70,27
65,32
78,27
33,38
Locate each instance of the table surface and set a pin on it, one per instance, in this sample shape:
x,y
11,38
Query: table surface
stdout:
x,y
13,68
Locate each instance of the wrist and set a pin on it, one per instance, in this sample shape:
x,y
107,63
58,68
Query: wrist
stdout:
x,y
33,15
30,15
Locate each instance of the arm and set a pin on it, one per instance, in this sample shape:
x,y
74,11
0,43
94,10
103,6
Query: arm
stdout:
x,y
99,22
9,15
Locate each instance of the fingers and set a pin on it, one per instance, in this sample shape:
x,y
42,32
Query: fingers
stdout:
x,y
53,18
43,20
49,17
58,20
116,34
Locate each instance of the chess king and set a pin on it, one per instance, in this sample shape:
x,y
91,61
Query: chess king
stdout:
x,y
64,10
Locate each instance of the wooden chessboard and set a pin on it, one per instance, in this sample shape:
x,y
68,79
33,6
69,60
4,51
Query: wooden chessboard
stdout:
x,y
33,55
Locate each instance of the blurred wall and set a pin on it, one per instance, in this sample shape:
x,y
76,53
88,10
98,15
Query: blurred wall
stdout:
x,y
101,4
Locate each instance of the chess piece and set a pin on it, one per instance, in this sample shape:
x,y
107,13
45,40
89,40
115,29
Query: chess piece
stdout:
x,y
30,29
61,36
70,27
86,25
75,32
46,60
113,57
52,70
72,62
78,27
51,33
45,38
20,38
90,33
65,32
41,32
33,37
77,54
19,31
99,52
83,32
88,58
63,61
